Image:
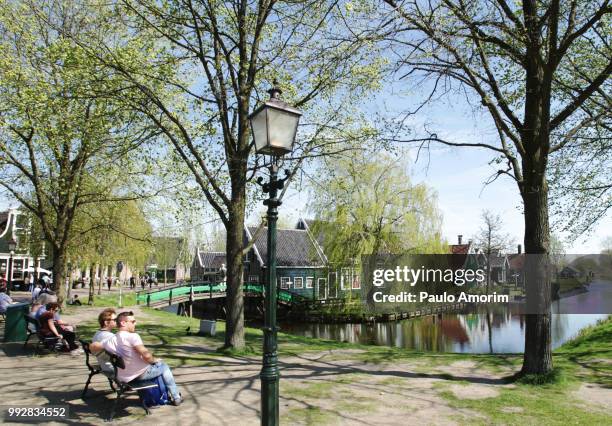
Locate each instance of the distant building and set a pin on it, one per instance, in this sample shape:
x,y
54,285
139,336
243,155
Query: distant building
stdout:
x,y
165,262
500,266
13,225
208,267
516,267
302,267
467,256
569,272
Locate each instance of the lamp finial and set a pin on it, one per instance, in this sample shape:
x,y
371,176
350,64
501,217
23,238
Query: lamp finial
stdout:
x,y
275,91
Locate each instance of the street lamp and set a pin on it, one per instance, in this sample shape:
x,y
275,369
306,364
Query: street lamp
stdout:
x,y
274,126
12,246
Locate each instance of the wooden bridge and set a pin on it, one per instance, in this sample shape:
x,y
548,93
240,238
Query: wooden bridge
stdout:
x,y
199,291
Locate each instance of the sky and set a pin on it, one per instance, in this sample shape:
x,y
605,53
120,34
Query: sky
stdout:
x,y
458,175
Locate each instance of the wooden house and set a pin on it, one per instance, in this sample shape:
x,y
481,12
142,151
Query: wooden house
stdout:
x,y
301,267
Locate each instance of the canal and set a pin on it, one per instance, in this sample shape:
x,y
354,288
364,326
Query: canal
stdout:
x,y
502,331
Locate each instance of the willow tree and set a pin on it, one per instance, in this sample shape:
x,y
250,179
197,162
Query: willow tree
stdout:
x,y
221,57
365,204
540,70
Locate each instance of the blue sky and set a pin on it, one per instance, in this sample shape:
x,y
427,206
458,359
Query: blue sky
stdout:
x,y
458,174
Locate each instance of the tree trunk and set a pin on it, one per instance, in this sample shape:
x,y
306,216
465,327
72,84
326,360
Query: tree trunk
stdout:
x,y
59,269
537,356
234,334
92,271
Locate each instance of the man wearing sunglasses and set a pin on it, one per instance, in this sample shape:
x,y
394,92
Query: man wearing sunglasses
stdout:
x,y
107,320
139,361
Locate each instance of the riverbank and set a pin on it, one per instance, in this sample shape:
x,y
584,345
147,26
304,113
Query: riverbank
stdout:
x,y
325,382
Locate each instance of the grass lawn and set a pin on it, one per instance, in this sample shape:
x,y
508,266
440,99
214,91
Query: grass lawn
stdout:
x,y
584,360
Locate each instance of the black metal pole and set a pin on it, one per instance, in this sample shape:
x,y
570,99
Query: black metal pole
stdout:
x,y
9,271
269,372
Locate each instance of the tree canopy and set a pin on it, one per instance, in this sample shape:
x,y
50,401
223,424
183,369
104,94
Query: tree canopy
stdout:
x,y
60,130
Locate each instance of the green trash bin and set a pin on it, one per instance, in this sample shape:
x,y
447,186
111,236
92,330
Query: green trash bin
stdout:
x,y
15,324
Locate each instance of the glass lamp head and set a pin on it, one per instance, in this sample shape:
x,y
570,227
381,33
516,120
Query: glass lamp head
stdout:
x,y
274,126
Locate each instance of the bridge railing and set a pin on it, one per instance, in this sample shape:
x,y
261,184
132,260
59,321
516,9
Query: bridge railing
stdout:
x,y
198,289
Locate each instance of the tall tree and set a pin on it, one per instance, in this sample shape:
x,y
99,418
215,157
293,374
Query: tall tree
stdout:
x,y
491,239
220,56
540,69
59,129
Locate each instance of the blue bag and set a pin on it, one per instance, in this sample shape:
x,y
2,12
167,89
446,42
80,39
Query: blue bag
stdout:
x,y
155,396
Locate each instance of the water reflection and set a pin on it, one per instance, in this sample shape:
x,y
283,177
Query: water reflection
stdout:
x,y
500,331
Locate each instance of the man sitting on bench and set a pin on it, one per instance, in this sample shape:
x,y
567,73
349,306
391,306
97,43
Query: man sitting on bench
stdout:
x,y
108,321
139,362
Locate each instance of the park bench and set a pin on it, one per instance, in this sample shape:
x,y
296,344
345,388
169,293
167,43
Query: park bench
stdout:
x,y
123,388
119,387
33,328
93,368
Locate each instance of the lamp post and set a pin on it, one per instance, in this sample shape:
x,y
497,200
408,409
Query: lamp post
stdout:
x,y
120,265
12,246
274,126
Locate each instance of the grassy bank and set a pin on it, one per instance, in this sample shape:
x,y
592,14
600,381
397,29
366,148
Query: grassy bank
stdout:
x,y
581,364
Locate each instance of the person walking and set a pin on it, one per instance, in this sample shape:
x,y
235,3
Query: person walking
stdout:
x,y
109,282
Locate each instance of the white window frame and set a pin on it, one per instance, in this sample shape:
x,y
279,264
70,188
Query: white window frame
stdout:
x,y
299,280
322,281
332,290
345,272
309,282
285,283
253,279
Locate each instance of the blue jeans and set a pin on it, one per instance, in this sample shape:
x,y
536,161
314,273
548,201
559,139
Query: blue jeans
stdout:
x,y
161,369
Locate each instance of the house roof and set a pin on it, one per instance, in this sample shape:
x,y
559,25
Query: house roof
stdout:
x,y
294,247
497,260
460,248
211,259
311,226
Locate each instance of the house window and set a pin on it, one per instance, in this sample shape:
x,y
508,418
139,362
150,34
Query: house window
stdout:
x,y
356,283
346,277
333,284
309,281
299,282
322,291
285,283
253,279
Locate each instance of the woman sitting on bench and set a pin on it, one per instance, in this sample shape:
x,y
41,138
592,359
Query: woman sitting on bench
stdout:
x,y
49,327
